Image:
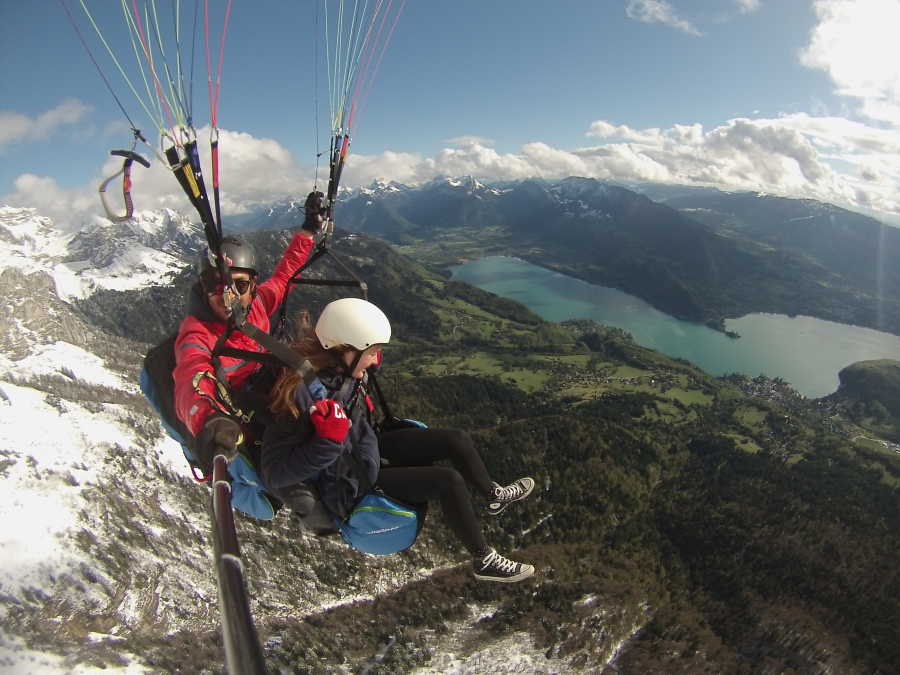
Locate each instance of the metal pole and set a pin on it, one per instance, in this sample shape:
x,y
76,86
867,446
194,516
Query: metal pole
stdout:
x,y
243,653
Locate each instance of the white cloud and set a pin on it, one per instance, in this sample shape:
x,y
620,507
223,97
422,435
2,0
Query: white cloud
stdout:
x,y
67,208
855,43
472,159
470,140
658,11
402,167
831,159
253,171
828,158
604,129
16,127
477,160
13,127
748,6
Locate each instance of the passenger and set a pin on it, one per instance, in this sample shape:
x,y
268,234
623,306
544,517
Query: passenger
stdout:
x,y
307,446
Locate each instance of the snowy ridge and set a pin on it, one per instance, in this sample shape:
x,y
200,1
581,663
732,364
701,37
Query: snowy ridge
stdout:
x,y
146,250
53,457
107,539
381,187
29,239
468,184
136,267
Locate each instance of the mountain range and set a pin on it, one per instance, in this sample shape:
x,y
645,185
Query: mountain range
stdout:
x,y
696,254
683,523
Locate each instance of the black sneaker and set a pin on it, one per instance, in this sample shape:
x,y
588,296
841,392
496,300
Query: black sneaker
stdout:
x,y
494,567
504,496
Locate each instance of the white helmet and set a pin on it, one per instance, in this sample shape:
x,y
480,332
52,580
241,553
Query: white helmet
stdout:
x,y
354,322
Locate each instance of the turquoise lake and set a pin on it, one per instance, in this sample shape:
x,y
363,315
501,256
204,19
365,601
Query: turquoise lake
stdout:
x,y
804,351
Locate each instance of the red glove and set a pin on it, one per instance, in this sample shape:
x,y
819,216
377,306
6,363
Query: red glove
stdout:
x,y
330,420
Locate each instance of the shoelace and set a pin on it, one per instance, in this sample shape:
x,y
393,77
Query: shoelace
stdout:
x,y
505,565
510,491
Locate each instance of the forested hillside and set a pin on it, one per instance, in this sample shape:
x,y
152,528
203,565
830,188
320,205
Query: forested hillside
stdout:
x,y
681,524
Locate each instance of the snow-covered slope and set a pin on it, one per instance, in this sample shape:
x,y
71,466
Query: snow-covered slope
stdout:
x,y
105,548
105,551
146,250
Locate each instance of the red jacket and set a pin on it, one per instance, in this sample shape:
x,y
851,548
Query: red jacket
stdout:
x,y
200,330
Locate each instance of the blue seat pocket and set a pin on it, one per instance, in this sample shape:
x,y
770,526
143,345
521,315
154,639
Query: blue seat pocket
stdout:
x,y
380,525
247,492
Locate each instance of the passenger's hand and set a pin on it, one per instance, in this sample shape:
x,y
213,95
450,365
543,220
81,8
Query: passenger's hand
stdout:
x,y
330,420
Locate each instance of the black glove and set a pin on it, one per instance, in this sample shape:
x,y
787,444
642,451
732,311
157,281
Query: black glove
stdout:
x,y
220,436
313,224
315,209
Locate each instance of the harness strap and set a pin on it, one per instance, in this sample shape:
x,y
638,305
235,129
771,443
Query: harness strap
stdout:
x,y
222,401
195,192
321,250
381,399
281,351
261,357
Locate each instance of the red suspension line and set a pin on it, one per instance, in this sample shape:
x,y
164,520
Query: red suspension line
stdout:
x,y
369,45
215,92
363,88
148,54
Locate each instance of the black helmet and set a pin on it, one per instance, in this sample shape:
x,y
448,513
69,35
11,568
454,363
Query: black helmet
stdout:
x,y
315,204
238,255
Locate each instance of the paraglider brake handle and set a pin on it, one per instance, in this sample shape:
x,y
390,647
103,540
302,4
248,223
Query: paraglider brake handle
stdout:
x,y
130,154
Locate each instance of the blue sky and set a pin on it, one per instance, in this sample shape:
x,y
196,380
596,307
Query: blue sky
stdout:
x,y
795,97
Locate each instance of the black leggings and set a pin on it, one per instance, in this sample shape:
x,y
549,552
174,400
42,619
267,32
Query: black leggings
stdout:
x,y
411,478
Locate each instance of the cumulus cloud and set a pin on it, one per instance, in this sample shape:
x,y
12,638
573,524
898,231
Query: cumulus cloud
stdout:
x,y
402,167
747,6
828,158
67,207
470,140
854,42
604,129
253,171
15,127
658,11
796,155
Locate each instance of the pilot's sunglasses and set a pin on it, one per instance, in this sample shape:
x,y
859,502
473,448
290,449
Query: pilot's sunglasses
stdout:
x,y
242,286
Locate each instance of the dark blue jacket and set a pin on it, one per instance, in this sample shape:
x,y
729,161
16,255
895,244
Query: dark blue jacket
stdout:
x,y
293,453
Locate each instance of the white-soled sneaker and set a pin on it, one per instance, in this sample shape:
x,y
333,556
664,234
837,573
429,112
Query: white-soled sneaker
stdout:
x,y
504,496
494,567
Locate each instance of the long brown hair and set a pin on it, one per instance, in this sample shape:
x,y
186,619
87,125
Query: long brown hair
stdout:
x,y
307,345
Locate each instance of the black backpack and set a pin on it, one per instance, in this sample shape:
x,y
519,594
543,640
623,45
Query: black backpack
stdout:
x,y
159,388
158,385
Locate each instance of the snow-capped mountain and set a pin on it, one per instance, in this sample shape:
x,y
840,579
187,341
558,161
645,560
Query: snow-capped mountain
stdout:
x,y
380,187
105,552
467,185
146,250
78,447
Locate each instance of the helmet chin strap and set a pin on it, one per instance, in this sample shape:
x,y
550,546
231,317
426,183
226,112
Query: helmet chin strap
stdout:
x,y
355,362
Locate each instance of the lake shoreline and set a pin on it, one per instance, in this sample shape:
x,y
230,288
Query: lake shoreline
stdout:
x,y
807,352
